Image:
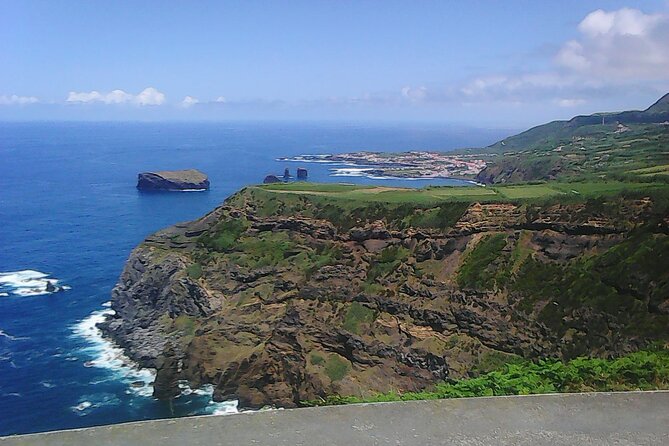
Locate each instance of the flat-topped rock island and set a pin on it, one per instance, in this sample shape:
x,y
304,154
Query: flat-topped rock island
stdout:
x,y
173,180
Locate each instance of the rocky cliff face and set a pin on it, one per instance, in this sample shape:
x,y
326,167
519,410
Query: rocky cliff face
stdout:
x,y
172,180
273,304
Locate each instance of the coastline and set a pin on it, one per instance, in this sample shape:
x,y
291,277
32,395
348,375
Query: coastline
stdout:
x,y
412,165
107,354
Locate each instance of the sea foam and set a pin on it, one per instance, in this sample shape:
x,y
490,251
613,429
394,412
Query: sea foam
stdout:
x,y
108,355
365,172
28,283
139,381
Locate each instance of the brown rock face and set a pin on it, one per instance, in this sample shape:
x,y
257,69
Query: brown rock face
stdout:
x,y
169,180
281,306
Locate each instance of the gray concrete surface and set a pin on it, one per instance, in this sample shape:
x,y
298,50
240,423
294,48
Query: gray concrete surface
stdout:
x,y
629,418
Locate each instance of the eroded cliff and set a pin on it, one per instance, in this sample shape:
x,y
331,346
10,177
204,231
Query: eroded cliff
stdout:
x,y
276,298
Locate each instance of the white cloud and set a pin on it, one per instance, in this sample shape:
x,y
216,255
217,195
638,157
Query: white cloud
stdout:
x,y
622,22
617,51
148,96
416,94
18,100
625,44
512,88
221,99
189,101
570,102
118,97
93,96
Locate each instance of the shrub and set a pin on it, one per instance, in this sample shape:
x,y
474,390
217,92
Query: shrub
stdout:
x,y
316,359
336,368
224,236
645,370
387,261
475,271
194,271
356,315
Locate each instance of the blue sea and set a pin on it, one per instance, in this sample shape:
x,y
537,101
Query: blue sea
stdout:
x,y
70,214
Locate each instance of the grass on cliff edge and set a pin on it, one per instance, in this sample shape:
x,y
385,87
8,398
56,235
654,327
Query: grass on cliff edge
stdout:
x,y
435,194
642,370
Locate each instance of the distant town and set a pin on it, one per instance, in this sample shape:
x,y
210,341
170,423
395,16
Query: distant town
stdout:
x,y
413,164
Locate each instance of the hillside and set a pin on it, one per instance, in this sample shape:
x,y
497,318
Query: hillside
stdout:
x,y
609,145
298,292
557,131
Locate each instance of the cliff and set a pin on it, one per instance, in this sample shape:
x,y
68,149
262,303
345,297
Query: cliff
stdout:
x,y
280,296
189,179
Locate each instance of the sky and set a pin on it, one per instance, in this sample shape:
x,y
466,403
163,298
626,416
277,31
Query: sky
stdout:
x,y
480,63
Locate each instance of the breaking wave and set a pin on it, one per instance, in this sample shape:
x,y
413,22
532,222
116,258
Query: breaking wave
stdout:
x,y
139,381
28,283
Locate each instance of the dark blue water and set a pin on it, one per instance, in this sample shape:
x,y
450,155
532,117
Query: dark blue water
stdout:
x,y
69,208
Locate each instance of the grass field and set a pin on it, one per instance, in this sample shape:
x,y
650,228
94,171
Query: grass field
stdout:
x,y
315,187
527,191
516,192
654,170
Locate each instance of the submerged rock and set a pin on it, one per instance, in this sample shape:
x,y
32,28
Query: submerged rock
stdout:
x,y
188,179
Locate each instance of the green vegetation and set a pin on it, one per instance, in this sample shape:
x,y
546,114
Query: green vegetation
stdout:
x,y
494,360
642,370
265,249
336,367
224,235
372,288
315,187
357,314
476,271
653,170
311,260
580,153
316,359
194,271
612,284
331,201
521,251
442,217
527,191
185,324
603,188
387,261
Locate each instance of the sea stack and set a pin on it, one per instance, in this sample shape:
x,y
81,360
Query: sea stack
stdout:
x,y
173,180
286,175
269,179
301,173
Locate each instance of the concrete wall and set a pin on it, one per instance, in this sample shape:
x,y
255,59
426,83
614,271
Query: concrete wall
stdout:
x,y
628,418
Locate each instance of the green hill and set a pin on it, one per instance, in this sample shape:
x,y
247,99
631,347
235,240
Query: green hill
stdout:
x,y
622,145
546,135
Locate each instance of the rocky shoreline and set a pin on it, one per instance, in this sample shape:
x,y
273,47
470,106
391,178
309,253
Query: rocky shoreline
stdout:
x,y
404,165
